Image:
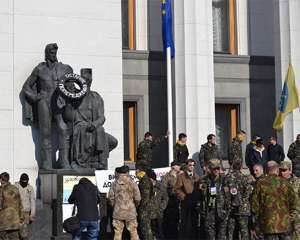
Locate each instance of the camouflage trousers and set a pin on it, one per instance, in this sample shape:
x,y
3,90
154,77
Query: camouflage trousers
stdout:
x,y
296,229
145,231
131,226
24,230
241,224
10,235
215,227
281,236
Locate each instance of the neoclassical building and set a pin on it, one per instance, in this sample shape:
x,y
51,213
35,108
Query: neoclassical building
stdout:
x,y
230,63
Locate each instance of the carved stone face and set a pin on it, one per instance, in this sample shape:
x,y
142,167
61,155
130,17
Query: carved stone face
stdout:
x,y
51,52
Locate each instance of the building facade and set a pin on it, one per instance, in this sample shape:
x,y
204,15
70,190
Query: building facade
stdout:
x,y
228,71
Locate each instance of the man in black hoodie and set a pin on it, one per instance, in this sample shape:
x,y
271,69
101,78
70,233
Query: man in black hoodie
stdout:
x,y
275,151
86,197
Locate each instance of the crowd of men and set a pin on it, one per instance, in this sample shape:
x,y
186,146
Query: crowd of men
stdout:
x,y
221,204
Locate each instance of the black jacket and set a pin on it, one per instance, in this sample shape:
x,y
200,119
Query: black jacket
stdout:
x,y
276,153
181,153
86,197
257,157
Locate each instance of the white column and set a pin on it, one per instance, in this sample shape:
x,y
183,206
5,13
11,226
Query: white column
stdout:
x,y
287,37
194,77
242,26
141,24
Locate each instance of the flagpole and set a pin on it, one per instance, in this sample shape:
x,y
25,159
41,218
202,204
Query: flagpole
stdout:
x,y
170,105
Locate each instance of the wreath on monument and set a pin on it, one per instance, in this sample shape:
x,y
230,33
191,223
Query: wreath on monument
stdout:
x,y
73,86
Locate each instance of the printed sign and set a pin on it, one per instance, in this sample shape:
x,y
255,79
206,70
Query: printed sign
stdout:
x,y
104,178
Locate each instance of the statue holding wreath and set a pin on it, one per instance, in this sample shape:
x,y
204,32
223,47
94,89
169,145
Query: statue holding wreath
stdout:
x,y
54,94
84,113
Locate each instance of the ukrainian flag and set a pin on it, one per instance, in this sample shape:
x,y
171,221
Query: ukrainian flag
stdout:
x,y
166,11
289,99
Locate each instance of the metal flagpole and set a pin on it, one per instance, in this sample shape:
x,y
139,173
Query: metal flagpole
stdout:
x,y
170,105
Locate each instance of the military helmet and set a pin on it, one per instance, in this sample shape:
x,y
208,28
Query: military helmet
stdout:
x,y
285,165
214,163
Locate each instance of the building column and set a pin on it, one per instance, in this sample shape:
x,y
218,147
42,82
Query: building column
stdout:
x,y
194,76
287,37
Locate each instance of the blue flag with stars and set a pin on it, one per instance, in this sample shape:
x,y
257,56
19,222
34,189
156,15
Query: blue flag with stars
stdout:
x,y
166,11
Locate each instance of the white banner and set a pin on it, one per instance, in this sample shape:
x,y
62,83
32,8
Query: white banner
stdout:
x,y
104,178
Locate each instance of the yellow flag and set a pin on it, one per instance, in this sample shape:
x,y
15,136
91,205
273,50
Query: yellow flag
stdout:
x,y
289,99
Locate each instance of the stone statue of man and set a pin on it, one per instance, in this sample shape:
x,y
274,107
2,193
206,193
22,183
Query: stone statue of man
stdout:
x,y
40,99
90,144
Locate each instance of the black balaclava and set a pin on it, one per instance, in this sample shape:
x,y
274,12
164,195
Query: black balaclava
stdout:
x,y
24,179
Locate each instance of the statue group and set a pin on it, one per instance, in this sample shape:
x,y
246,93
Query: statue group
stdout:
x,y
58,100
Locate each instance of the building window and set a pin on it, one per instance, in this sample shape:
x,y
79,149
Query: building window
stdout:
x,y
227,125
130,130
128,17
224,32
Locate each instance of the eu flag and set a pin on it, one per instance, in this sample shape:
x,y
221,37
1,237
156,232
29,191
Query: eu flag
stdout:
x,y
166,11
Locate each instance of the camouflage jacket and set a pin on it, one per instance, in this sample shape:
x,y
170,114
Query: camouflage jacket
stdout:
x,y
169,181
212,196
124,195
158,201
11,210
144,151
146,190
237,190
235,150
295,182
181,152
273,203
207,153
294,154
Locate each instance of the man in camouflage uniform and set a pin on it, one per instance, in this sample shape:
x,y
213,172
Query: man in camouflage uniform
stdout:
x,y
286,172
237,190
144,211
213,203
294,155
209,151
273,202
11,210
235,149
144,150
158,204
171,214
124,196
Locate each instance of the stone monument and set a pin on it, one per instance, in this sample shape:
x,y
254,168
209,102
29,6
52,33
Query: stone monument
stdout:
x,y
55,96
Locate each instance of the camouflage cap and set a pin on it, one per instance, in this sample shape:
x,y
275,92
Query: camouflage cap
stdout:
x,y
285,165
214,163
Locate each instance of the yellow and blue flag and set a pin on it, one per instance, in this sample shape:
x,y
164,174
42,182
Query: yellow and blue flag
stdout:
x,y
289,99
166,11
